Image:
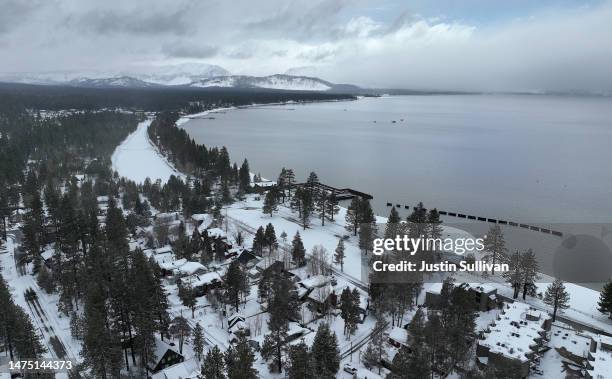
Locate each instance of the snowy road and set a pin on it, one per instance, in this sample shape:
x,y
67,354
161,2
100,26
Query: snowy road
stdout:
x,y
137,159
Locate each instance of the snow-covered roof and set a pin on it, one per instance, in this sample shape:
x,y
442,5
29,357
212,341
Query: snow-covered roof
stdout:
x,y
514,334
167,215
216,233
172,265
435,288
190,268
102,199
315,281
163,250
480,287
399,335
602,359
198,280
574,342
47,254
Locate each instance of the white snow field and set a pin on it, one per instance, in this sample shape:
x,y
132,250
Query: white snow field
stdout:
x,y
137,159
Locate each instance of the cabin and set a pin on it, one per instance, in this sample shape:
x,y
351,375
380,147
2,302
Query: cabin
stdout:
x,y
237,325
166,355
204,282
399,337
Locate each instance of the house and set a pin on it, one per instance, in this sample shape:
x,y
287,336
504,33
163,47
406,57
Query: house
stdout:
x,y
189,268
484,295
47,257
295,331
236,324
516,336
399,337
166,356
247,258
166,218
188,369
202,283
202,221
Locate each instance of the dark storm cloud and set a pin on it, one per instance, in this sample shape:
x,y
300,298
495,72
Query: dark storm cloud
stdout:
x,y
302,23
179,49
366,42
14,12
137,21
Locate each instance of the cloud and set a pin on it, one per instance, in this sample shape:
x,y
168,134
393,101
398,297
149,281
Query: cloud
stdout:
x,y
355,41
136,21
179,49
15,12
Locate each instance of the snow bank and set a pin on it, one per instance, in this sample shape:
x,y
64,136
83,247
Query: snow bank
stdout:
x,y
137,159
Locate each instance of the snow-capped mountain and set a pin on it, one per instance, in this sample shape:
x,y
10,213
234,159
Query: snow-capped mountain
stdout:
x,y
178,74
119,81
281,82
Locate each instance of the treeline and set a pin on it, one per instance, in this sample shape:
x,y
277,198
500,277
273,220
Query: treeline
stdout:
x,y
55,149
112,294
17,334
185,153
149,99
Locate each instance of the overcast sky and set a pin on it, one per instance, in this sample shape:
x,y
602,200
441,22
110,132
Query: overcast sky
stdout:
x,y
444,44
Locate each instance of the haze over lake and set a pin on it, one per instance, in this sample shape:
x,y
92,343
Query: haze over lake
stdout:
x,y
523,158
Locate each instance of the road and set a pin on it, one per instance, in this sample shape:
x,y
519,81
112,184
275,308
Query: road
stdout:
x,y
36,305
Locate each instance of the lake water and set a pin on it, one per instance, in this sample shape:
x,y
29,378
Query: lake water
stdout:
x,y
523,158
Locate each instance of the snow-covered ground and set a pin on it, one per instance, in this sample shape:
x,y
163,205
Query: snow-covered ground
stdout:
x,y
137,159
43,312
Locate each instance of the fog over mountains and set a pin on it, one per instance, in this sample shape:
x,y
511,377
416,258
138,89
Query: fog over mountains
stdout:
x,y
197,75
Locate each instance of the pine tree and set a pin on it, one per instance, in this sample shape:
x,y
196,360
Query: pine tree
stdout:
x,y
557,297
352,217
339,254
529,267
346,307
605,299
239,361
44,280
270,237
282,184
300,364
304,200
198,341
180,329
101,345
367,226
235,285
321,199
325,352
289,180
433,224
376,350
514,276
270,202
213,366
244,177
259,241
282,307
417,221
332,207
226,196
495,246
298,252
393,222
312,184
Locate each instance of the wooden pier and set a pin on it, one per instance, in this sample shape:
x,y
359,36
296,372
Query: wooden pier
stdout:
x,y
491,220
341,193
